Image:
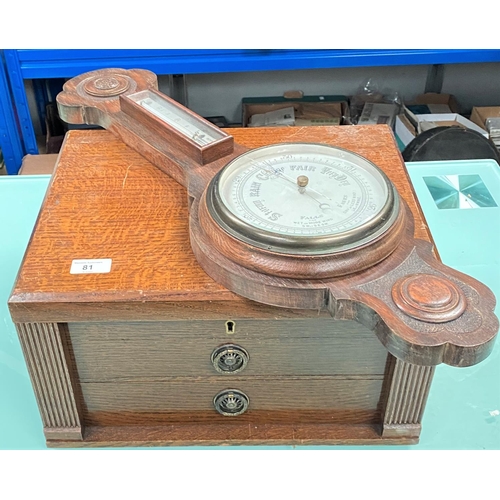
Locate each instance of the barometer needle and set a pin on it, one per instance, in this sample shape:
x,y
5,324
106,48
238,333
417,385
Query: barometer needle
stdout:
x,y
283,176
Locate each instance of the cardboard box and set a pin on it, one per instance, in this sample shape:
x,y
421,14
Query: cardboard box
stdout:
x,y
480,114
435,103
277,118
408,125
376,113
305,107
38,164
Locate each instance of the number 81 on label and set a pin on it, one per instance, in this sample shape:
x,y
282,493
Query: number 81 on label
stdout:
x,y
90,266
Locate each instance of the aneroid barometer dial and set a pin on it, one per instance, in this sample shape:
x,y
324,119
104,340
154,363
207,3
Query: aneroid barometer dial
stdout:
x,y
303,199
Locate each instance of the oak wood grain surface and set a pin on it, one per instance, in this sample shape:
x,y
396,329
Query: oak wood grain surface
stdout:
x,y
123,351
140,419
106,201
265,393
234,433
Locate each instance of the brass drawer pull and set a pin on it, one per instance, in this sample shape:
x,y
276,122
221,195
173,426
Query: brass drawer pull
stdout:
x,y
231,402
230,358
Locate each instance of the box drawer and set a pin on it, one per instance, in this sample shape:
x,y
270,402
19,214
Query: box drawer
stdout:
x,y
156,350
180,400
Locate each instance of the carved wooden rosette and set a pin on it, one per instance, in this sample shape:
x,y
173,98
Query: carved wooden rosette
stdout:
x,y
423,312
429,297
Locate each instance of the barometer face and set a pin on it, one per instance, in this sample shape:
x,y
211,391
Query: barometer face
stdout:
x,y
303,198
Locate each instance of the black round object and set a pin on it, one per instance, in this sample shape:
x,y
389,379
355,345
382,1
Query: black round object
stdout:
x,y
450,143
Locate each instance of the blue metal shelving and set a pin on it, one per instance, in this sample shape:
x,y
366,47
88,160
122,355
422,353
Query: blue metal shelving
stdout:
x,y
49,64
67,63
10,142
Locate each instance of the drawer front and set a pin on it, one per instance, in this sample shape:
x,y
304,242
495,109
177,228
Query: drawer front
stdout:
x,y
158,350
308,398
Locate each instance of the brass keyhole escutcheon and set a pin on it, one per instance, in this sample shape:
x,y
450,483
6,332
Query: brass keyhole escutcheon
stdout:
x,y
230,327
230,358
231,402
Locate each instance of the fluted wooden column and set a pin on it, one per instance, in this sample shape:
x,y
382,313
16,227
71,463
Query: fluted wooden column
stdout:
x,y
50,376
406,398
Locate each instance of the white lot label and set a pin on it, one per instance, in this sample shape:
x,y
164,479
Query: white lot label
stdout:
x,y
90,266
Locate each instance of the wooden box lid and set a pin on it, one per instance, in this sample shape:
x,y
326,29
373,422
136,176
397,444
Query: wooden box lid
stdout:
x,y
106,201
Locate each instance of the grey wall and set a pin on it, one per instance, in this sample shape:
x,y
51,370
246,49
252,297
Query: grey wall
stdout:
x,y
473,84
221,94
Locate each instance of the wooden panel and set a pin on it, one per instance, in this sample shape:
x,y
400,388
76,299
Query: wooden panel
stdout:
x,y
112,351
210,416
196,394
234,433
136,311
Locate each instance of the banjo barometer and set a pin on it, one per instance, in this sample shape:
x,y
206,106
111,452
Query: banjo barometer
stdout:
x,y
291,225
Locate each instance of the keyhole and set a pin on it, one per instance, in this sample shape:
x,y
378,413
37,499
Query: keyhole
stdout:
x,y
230,327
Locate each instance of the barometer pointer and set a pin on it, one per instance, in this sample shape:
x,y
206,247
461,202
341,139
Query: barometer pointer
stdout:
x,y
301,183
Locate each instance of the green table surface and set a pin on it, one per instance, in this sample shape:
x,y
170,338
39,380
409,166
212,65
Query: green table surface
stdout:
x,y
463,409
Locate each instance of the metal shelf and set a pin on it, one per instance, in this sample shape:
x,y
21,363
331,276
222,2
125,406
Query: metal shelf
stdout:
x,y
67,63
40,64
10,142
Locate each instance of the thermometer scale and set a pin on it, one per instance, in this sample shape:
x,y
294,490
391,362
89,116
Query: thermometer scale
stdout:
x,y
175,117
